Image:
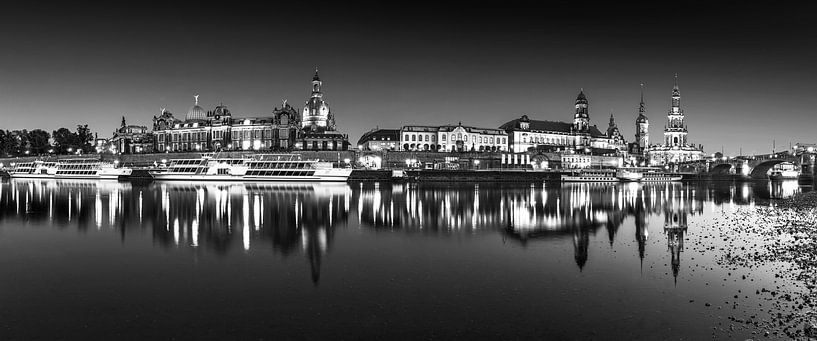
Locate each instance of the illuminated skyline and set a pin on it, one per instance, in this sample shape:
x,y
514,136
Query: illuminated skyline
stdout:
x,y
744,72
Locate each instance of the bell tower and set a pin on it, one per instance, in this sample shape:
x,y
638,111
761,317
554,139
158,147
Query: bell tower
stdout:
x,y
675,133
581,119
642,124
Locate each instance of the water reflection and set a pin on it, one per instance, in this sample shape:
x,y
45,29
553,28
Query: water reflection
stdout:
x,y
304,218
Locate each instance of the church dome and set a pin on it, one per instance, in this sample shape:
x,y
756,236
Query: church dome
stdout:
x,y
196,112
581,98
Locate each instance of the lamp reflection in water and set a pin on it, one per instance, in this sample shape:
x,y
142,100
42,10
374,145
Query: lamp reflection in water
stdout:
x,y
302,218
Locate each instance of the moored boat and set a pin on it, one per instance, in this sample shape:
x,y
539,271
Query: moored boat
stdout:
x,y
629,174
93,169
784,171
261,167
591,175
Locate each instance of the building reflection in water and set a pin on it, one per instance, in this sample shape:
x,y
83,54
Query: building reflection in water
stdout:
x,y
542,211
302,218
213,216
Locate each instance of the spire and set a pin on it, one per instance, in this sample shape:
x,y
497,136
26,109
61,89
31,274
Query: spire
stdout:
x,y
316,77
641,108
123,121
196,97
642,93
612,120
676,96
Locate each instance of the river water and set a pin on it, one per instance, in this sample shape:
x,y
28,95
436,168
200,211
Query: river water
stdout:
x,y
86,259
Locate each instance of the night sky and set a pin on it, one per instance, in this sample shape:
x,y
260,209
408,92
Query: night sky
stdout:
x,y
746,74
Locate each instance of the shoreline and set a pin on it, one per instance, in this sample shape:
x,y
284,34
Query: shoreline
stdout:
x,y
784,236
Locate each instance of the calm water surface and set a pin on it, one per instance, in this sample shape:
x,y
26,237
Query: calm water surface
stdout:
x,y
292,261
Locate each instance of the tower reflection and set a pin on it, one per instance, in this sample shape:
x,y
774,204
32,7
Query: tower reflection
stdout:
x,y
221,218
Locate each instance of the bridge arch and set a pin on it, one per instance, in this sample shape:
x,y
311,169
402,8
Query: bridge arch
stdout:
x,y
723,168
540,161
760,170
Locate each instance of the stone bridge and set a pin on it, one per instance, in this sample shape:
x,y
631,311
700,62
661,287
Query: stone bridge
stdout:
x,y
757,166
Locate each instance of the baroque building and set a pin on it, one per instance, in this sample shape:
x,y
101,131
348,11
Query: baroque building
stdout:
x,y
131,139
380,139
452,138
675,148
525,134
281,130
318,128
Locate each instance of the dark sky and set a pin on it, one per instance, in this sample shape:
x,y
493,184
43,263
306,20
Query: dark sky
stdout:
x,y
746,72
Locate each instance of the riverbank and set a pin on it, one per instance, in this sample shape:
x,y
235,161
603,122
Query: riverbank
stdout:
x,y
780,239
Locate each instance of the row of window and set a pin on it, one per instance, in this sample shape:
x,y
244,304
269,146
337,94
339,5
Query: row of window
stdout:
x,y
77,166
76,172
191,170
218,135
545,140
454,137
279,173
278,165
443,147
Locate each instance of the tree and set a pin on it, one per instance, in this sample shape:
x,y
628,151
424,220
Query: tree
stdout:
x,y
84,138
20,141
64,139
12,144
38,141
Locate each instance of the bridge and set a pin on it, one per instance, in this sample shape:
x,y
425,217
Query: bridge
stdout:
x,y
758,166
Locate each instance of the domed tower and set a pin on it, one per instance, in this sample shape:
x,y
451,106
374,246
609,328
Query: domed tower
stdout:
x,y
196,112
316,113
581,119
642,124
675,134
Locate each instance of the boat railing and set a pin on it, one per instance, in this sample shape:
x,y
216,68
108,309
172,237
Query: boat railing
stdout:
x,y
278,157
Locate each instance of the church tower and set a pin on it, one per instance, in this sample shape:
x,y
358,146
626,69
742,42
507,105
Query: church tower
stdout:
x,y
642,124
612,130
675,133
316,114
581,119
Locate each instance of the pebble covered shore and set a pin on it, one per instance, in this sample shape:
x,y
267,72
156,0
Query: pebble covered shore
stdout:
x,y
780,239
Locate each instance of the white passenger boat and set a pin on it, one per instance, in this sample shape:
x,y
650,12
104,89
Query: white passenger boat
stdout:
x,y
68,169
262,167
591,175
784,171
655,174
629,174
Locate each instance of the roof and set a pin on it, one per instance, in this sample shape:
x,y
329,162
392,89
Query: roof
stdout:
x,y
452,127
380,135
548,126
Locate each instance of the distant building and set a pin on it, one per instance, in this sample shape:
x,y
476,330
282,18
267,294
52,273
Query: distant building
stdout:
x,y
525,134
380,139
638,148
318,123
281,130
675,147
448,138
131,139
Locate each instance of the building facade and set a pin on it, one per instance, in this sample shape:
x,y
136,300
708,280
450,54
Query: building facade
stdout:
x,y
525,134
380,139
318,129
281,130
675,148
452,138
131,139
